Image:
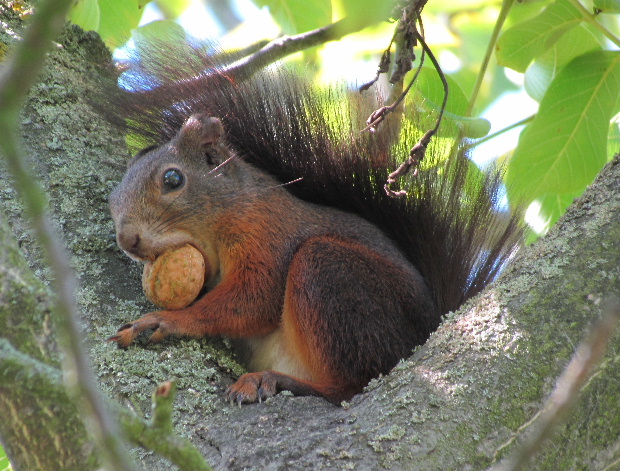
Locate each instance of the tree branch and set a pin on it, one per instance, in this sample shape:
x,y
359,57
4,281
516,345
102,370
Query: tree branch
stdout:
x,y
577,373
286,45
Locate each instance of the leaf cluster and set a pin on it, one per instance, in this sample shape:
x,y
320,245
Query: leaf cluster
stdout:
x,y
569,69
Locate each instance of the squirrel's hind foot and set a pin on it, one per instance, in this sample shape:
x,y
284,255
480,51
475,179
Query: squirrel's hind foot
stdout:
x,y
255,387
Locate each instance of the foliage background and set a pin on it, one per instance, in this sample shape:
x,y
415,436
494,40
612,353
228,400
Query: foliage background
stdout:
x,y
548,79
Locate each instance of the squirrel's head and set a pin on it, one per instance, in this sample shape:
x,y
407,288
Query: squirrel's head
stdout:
x,y
169,189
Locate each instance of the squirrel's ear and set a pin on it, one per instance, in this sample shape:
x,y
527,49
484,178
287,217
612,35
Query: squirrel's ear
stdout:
x,y
201,131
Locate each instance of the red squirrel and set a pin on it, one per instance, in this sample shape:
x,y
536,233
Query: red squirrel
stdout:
x,y
323,280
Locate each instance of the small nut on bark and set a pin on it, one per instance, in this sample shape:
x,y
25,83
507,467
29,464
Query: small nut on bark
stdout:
x,y
175,278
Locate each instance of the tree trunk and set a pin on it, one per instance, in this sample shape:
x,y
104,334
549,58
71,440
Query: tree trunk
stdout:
x,y
460,402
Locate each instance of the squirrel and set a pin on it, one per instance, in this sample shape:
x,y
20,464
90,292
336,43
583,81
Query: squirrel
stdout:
x,y
322,280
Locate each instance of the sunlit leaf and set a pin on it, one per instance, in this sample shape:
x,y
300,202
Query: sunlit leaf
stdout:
x,y
172,9
450,6
613,142
607,6
474,31
368,11
85,14
4,461
566,145
546,211
573,43
430,88
472,128
296,17
118,18
518,46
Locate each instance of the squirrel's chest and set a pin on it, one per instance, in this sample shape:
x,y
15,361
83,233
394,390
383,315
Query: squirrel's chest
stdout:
x,y
271,352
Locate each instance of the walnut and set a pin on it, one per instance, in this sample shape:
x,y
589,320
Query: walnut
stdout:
x,y
175,278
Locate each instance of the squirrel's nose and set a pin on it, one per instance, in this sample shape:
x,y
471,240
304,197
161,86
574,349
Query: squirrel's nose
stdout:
x,y
129,241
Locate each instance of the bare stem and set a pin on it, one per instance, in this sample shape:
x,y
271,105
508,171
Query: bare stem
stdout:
x,y
17,77
522,122
501,18
286,45
591,18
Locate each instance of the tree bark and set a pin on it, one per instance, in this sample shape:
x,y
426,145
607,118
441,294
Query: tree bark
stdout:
x,y
460,402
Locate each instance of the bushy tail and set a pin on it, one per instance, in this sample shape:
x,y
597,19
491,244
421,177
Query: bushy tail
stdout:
x,y
449,226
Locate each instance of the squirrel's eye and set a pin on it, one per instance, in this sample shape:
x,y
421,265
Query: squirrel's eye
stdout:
x,y
173,179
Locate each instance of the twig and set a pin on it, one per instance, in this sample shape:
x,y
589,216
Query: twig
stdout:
x,y
382,68
45,379
178,450
576,374
589,18
286,45
488,137
405,38
18,75
163,400
410,36
501,18
417,152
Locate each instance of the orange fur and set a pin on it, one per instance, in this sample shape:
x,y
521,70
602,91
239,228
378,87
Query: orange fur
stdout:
x,y
319,300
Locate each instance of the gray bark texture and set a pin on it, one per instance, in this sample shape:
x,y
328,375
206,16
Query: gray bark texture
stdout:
x,y
460,402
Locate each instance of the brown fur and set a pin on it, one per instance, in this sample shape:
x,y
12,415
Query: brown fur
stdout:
x,y
326,289
324,283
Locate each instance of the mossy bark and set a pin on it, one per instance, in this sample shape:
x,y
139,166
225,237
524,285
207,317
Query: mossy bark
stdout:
x,y
460,402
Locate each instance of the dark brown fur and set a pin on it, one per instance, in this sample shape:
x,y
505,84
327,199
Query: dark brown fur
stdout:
x,y
326,279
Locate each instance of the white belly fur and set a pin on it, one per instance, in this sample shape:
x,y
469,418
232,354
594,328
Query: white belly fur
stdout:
x,y
270,352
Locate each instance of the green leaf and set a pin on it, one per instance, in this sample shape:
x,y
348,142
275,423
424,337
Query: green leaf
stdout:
x,y
613,139
296,17
4,461
430,89
547,209
172,9
565,146
472,128
573,43
117,19
85,14
607,6
366,12
429,85
518,46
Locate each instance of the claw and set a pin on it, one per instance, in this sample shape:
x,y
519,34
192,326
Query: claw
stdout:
x,y
252,387
127,333
129,325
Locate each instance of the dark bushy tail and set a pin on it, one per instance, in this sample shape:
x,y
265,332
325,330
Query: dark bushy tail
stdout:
x,y
449,226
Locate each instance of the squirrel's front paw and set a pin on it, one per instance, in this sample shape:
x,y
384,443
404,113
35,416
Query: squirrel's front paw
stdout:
x,y
252,387
128,333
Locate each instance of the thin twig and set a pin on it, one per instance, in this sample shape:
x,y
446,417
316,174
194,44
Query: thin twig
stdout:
x,y
163,401
590,18
382,68
46,379
417,152
501,18
18,75
488,137
286,45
